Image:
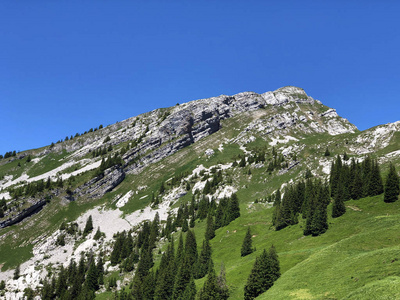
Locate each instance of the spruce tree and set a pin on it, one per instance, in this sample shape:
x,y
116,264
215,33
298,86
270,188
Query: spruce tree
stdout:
x,y
203,262
392,187
148,286
210,229
182,279
88,226
210,289
265,271
92,277
247,244
338,207
190,290
357,186
191,248
234,209
319,222
274,263
375,186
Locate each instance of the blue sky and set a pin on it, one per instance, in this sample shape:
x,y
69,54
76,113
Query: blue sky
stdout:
x,y
68,66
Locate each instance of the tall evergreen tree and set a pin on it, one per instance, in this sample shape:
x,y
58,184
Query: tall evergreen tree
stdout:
x,y
210,228
203,262
262,276
247,244
357,186
234,209
375,186
210,289
182,279
88,226
392,187
190,291
338,207
319,222
191,253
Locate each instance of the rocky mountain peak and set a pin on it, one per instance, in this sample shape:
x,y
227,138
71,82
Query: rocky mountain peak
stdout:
x,y
287,94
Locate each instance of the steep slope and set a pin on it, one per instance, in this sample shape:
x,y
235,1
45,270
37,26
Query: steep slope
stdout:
x,y
180,148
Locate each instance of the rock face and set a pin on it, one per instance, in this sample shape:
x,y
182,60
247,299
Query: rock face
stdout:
x,y
34,208
163,132
99,186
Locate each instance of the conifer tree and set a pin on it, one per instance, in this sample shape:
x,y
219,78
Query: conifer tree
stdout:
x,y
182,279
375,182
392,187
148,286
247,244
357,186
191,253
185,225
210,289
100,271
274,263
203,262
319,222
166,274
92,277
265,271
88,226
190,290
338,207
277,205
210,229
180,253
234,209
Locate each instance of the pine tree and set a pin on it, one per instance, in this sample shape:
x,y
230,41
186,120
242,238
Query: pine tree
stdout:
x,y
182,279
392,187
327,153
148,286
92,277
338,207
265,271
190,290
357,186
319,222
375,186
191,248
16,272
88,226
274,263
210,289
203,262
247,244
210,230
166,274
234,209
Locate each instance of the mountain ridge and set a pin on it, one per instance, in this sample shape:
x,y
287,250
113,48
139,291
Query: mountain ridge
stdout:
x,y
180,144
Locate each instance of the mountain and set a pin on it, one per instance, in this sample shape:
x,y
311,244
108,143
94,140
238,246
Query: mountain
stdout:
x,y
166,161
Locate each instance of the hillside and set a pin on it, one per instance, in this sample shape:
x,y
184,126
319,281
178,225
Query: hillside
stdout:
x,y
160,162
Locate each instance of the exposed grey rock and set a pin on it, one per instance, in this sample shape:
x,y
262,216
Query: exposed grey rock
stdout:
x,y
97,187
36,206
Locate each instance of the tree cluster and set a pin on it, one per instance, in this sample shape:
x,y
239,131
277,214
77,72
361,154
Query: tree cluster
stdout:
x,y
265,272
77,281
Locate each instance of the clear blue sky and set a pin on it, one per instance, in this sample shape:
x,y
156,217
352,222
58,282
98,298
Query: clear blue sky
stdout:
x,y
68,66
